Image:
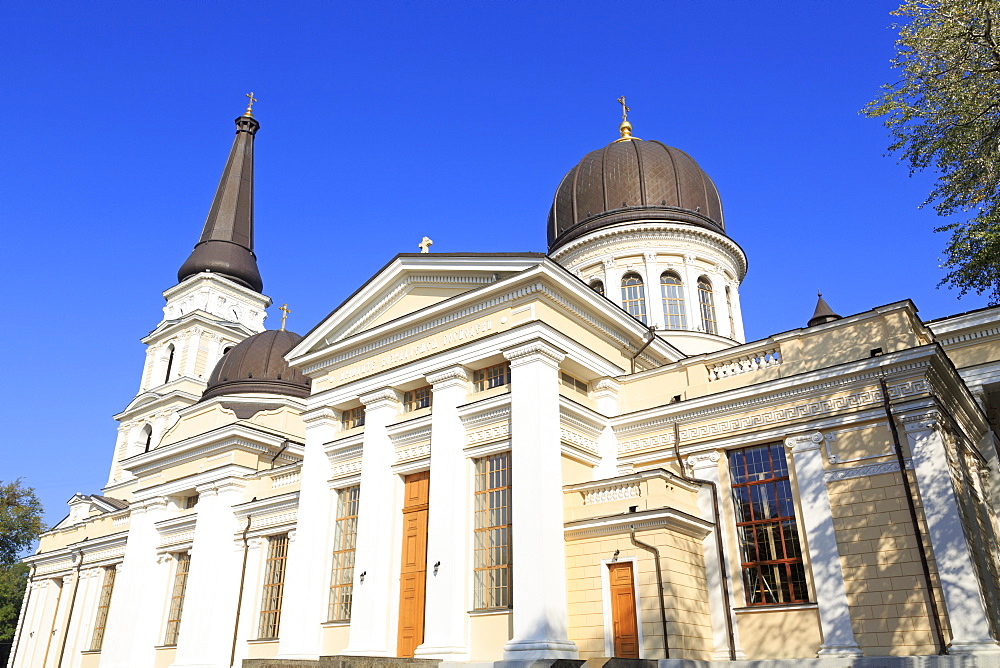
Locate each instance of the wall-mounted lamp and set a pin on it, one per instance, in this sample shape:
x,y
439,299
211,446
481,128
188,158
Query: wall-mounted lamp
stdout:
x,y
437,565
362,576
615,557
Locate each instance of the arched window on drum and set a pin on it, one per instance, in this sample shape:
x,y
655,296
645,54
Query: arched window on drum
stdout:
x,y
634,296
597,286
672,292
707,304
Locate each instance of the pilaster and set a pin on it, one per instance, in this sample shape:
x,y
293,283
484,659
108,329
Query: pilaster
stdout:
x,y
654,298
705,466
606,395
540,609
817,518
967,614
448,531
371,632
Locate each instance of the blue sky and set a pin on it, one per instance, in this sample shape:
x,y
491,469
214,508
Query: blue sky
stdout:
x,y
383,122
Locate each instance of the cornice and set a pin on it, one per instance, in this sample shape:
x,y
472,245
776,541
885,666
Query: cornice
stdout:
x,y
270,506
662,518
491,409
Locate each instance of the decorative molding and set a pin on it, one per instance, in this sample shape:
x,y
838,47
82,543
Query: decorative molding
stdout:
x,y
745,363
578,440
452,375
804,442
287,478
703,460
865,471
493,433
413,453
385,397
410,437
350,468
612,492
493,414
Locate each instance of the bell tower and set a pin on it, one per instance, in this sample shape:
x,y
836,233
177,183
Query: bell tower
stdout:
x,y
216,303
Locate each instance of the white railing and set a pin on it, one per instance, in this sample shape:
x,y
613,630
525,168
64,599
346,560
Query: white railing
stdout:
x,y
748,363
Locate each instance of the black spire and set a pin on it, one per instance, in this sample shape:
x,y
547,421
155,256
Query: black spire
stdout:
x,y
822,314
226,244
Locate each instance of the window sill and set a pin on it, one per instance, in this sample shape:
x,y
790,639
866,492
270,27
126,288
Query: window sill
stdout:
x,y
90,651
490,611
165,647
261,641
336,623
775,607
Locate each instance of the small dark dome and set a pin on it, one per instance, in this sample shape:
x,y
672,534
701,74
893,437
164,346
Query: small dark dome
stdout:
x,y
258,364
630,180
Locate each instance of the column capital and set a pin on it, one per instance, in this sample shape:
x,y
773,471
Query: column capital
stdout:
x,y
318,416
917,422
804,442
220,487
650,257
607,388
704,460
451,376
534,351
383,398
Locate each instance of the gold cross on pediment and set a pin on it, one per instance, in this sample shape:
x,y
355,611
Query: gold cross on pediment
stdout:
x,y
425,245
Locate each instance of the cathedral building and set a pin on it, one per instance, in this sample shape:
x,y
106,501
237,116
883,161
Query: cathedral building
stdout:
x,y
488,458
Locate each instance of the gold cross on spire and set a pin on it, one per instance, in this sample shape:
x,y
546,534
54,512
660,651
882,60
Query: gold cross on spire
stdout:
x,y
284,315
625,109
249,111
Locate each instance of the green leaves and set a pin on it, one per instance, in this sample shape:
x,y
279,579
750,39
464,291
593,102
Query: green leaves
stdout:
x,y
944,114
20,525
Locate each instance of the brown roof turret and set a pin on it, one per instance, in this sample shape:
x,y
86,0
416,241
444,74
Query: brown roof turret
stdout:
x,y
226,244
823,313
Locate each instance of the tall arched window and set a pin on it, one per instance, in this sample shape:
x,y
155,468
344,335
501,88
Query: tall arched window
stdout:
x,y
707,304
170,362
672,291
147,437
598,287
729,308
634,296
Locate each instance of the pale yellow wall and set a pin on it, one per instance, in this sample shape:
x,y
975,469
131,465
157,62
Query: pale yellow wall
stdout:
x,y
785,634
574,471
414,300
685,593
971,355
488,633
881,565
262,650
92,660
164,657
335,638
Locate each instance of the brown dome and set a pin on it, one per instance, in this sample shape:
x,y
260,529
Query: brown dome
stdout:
x,y
257,364
630,180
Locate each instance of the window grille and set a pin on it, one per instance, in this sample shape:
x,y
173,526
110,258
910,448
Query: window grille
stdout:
x,y
181,569
598,287
417,399
770,555
190,502
707,303
672,291
491,376
352,417
493,558
102,608
572,382
634,296
344,544
274,585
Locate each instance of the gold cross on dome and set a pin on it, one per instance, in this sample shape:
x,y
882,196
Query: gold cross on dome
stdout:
x,y
284,315
425,245
625,109
249,111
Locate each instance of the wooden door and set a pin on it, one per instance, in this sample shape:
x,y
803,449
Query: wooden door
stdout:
x,y
623,616
413,571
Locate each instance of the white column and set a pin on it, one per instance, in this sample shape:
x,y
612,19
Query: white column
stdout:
x,y
213,353
193,345
121,452
159,427
147,369
539,554
690,274
307,577
705,466
606,396
447,601
214,579
612,287
734,295
970,631
24,633
249,611
654,295
824,557
137,606
371,616
46,628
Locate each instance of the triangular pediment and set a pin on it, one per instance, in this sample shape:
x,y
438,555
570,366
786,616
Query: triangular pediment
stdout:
x,y
410,283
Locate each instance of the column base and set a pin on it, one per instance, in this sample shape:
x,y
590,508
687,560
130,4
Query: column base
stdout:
x,y
838,650
291,656
530,650
445,653
366,652
723,655
987,646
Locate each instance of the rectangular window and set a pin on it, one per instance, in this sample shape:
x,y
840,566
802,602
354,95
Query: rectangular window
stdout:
x,y
182,567
493,558
102,608
417,399
344,543
770,556
352,417
573,383
490,377
274,585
